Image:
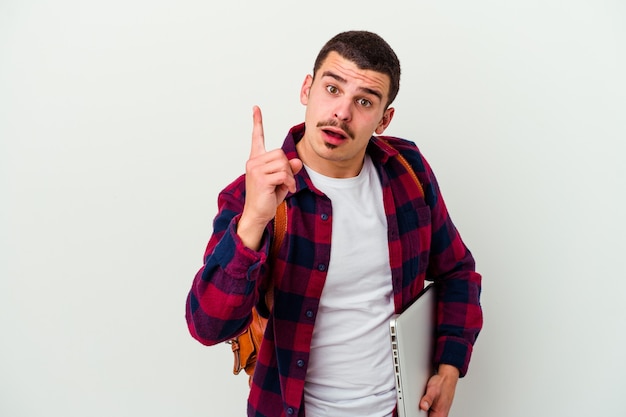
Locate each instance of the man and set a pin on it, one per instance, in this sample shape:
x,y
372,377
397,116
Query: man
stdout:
x,y
360,242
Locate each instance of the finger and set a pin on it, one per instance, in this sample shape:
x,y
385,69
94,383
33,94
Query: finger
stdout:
x,y
258,139
424,404
285,177
429,398
295,165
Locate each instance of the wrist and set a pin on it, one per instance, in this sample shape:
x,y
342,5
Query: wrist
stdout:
x,y
448,371
250,233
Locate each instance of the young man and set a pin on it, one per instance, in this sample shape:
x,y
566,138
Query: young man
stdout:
x,y
360,242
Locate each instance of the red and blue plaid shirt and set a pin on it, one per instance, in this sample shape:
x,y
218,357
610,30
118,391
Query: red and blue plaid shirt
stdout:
x,y
423,245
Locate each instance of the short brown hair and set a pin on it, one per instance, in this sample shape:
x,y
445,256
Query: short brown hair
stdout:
x,y
369,52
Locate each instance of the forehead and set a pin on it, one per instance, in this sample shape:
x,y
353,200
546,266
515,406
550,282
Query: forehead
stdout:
x,y
352,75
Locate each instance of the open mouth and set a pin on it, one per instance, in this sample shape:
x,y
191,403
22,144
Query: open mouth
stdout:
x,y
334,134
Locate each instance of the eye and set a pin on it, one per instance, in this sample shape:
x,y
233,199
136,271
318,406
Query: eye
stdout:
x,y
332,89
364,102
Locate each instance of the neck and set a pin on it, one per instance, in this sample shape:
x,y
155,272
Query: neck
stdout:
x,y
338,168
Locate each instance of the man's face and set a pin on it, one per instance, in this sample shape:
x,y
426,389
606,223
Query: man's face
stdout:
x,y
345,105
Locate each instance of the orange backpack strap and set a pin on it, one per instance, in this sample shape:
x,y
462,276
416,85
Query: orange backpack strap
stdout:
x,y
280,230
407,166
409,169
246,346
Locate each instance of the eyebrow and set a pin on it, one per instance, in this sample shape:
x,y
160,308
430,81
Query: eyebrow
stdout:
x,y
340,79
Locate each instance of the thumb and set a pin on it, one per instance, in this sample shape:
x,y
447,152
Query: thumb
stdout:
x,y
296,165
428,399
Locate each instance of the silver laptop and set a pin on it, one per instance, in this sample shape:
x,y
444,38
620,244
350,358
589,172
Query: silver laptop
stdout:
x,y
412,344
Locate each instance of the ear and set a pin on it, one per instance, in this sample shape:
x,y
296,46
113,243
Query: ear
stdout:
x,y
384,122
306,89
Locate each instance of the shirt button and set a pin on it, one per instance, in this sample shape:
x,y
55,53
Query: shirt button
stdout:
x,y
309,314
321,267
290,411
300,363
324,216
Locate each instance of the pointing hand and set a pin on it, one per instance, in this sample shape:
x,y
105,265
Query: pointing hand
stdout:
x,y
269,177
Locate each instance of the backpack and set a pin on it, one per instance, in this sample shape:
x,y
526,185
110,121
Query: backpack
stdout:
x,y
246,346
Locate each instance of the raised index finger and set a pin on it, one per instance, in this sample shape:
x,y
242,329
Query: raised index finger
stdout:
x,y
258,139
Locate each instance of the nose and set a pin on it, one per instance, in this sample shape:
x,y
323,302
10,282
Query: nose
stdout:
x,y
343,110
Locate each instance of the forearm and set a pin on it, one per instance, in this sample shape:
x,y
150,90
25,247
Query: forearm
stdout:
x,y
250,232
452,266
460,319
224,290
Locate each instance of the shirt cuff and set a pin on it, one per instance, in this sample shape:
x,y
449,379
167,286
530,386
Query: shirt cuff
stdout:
x,y
454,351
238,260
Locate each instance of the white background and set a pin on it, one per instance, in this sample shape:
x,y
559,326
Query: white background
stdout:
x,y
121,120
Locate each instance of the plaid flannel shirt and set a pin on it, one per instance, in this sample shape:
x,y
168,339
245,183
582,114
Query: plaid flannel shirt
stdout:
x,y
423,245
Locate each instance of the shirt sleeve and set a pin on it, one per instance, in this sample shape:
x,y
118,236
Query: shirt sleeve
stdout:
x,y
452,267
224,290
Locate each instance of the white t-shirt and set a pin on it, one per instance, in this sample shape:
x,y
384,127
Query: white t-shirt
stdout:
x,y
350,372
